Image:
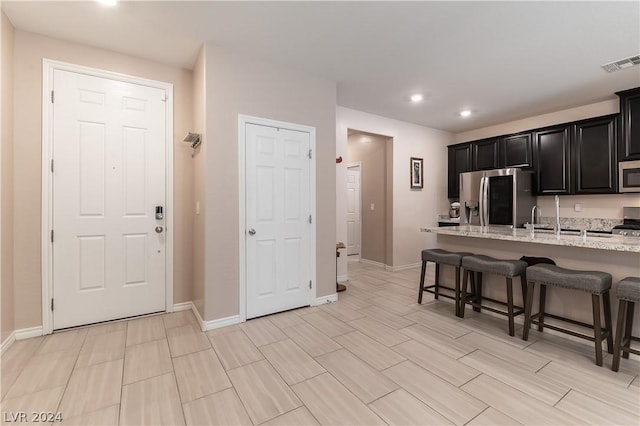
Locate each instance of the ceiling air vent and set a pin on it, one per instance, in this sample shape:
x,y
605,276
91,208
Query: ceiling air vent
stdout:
x,y
622,64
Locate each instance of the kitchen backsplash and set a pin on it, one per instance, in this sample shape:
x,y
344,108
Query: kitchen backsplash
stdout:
x,y
594,224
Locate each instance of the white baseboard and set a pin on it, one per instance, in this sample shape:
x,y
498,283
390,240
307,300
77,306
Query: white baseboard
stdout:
x,y
325,299
220,322
6,344
343,278
402,267
26,333
184,306
373,262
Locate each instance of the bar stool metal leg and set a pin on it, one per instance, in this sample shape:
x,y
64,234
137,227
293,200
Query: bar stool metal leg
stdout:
x,y
597,328
617,348
527,311
422,273
463,296
510,306
607,320
628,326
457,300
543,297
436,290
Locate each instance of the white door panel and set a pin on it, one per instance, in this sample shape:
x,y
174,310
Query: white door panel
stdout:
x,y
353,210
277,208
109,153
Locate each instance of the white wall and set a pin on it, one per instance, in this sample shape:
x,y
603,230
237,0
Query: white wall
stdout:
x,y
412,209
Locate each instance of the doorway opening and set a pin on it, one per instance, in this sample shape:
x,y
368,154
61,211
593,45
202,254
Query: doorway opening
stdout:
x,y
369,198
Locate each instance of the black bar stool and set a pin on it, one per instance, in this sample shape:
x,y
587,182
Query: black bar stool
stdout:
x,y
439,256
594,282
628,293
477,265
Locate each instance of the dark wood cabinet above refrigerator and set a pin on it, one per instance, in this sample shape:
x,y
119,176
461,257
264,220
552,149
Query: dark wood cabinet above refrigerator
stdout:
x,y
629,145
571,158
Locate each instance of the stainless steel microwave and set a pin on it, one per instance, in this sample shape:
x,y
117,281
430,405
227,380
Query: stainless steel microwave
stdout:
x,y
629,176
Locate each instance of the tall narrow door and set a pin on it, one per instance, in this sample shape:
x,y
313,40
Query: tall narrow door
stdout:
x,y
108,177
353,210
278,220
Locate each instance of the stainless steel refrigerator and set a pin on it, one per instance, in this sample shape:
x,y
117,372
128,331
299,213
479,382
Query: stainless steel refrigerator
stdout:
x,y
501,197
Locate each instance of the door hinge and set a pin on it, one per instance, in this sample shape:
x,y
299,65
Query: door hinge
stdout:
x,y
310,154
310,219
164,97
52,165
310,287
52,303
52,96
52,235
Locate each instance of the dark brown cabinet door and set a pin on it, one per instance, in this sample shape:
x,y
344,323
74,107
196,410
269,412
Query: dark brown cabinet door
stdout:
x,y
552,161
594,147
630,115
515,151
459,162
485,154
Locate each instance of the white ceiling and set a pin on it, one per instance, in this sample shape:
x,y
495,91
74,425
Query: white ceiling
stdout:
x,y
503,60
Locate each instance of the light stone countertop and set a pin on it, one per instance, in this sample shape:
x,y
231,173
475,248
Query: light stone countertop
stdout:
x,y
598,241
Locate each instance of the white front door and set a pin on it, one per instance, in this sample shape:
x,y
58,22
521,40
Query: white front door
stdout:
x,y
353,210
277,197
108,177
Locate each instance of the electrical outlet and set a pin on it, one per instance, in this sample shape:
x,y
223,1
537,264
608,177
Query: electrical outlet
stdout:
x,y
197,207
577,207
373,207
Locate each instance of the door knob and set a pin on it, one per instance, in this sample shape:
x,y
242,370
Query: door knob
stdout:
x,y
252,231
159,229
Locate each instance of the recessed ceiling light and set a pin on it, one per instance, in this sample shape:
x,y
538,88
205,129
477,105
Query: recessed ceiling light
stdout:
x,y
417,97
108,2
465,113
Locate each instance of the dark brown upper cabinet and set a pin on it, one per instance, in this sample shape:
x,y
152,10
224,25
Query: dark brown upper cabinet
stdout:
x,y
515,151
485,154
459,162
594,147
552,160
629,144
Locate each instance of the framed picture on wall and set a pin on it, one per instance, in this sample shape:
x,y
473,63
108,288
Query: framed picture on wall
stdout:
x,y
416,173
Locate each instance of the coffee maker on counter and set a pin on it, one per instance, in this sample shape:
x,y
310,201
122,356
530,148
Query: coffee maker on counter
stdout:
x,y
454,210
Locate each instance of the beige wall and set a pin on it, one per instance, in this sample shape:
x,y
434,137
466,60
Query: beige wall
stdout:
x,y
6,181
240,85
30,49
371,151
199,179
593,206
412,209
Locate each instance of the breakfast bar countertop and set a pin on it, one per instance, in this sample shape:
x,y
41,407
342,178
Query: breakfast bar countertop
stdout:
x,y
569,239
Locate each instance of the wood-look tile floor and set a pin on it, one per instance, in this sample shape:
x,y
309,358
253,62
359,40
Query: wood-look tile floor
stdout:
x,y
373,357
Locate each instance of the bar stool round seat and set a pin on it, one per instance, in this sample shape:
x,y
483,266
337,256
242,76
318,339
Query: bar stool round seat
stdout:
x,y
439,256
589,281
597,283
476,265
629,289
490,265
628,293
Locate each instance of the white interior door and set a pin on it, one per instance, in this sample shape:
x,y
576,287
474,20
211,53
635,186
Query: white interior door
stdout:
x,y
108,177
277,215
353,210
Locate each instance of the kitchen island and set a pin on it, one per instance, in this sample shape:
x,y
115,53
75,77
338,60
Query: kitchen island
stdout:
x,y
617,255
599,241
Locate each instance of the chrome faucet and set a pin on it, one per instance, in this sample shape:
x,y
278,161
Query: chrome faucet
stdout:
x,y
557,216
533,215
